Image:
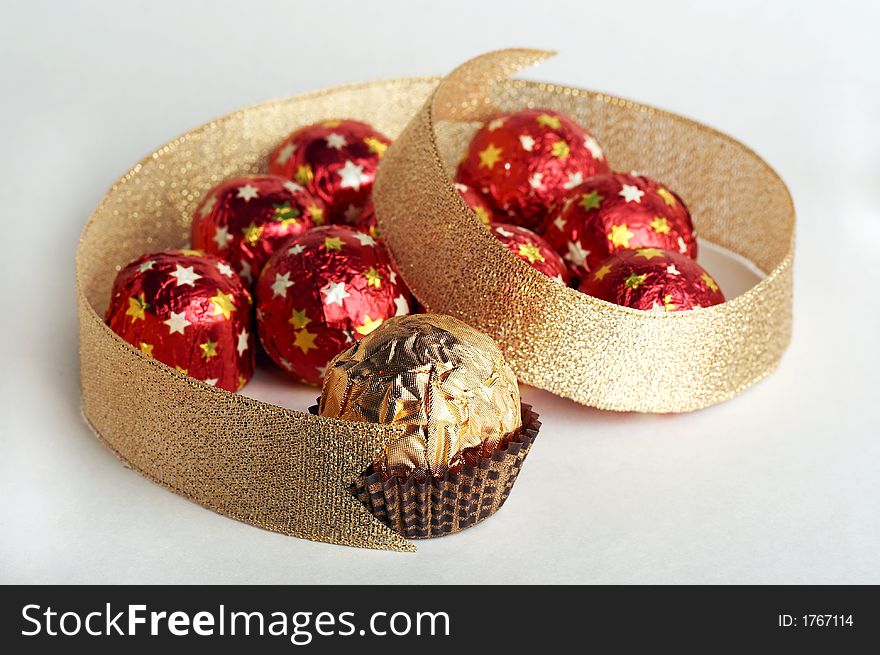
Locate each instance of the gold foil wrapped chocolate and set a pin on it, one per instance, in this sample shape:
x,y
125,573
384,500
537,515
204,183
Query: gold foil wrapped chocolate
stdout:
x,y
446,382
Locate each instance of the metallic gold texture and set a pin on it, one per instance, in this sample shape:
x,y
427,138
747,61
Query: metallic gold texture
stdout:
x,y
444,381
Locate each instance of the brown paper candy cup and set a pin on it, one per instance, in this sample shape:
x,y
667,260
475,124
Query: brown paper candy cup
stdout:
x,y
458,500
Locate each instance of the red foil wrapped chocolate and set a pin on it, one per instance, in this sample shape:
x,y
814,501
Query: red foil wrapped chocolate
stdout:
x,y
336,161
367,220
654,280
188,310
321,292
532,249
615,211
245,219
525,163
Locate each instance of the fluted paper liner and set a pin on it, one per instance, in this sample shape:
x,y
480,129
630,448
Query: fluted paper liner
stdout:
x,y
289,471
457,500
554,337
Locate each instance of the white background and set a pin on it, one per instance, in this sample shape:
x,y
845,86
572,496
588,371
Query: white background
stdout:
x,y
778,485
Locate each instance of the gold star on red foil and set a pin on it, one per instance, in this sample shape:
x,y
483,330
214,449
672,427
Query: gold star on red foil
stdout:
x,y
591,200
373,277
635,281
209,349
305,340
333,243
368,325
668,198
376,146
490,156
530,251
707,279
223,304
137,305
620,235
660,225
298,319
549,121
304,174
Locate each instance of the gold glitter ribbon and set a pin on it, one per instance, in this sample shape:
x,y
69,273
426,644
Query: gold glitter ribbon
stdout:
x,y
556,338
288,471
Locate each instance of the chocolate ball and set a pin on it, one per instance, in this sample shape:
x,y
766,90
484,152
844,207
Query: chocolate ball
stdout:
x,y
446,383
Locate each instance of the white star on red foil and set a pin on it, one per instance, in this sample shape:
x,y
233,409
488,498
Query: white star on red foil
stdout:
x,y
335,140
146,266
185,275
527,142
242,342
631,193
245,271
177,323
352,176
593,146
401,306
576,254
335,293
573,180
247,193
286,152
365,239
222,237
208,206
280,285
225,269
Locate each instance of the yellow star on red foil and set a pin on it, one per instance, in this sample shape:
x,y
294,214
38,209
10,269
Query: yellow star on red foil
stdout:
x,y
223,304
668,198
490,156
705,277
620,235
591,200
147,348
560,149
209,349
298,319
305,340
530,251
649,253
660,225
333,243
373,277
482,214
317,214
137,305
252,233
368,325
376,146
634,281
602,272
549,121
304,174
